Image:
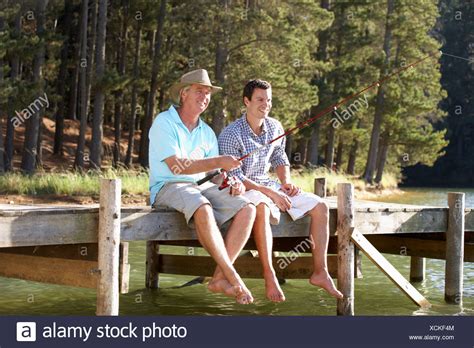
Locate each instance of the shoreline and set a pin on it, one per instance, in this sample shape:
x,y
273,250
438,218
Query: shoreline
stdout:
x,y
141,199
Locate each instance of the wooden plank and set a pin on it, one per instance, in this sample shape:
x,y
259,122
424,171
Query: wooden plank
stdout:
x,y
379,222
80,273
75,227
386,267
345,255
84,251
247,267
109,253
33,230
408,246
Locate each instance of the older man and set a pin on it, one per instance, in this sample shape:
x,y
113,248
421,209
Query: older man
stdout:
x,y
182,149
253,130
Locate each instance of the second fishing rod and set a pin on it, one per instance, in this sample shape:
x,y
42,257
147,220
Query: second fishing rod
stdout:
x,y
320,114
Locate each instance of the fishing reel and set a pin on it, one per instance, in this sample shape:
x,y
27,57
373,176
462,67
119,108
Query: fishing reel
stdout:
x,y
228,181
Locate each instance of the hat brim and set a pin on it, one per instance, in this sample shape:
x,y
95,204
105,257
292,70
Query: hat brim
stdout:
x,y
176,88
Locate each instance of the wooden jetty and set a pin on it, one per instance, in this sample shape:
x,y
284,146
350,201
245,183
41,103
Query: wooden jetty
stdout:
x,y
88,246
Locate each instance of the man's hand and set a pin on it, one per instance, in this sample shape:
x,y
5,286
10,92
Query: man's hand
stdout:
x,y
280,199
237,187
290,189
228,162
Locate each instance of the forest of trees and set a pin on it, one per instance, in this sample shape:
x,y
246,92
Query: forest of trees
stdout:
x,y
110,63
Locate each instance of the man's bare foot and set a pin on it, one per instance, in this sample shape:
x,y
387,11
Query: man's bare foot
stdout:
x,y
323,280
272,288
241,294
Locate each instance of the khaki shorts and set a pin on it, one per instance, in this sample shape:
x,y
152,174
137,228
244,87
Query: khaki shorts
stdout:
x,y
187,197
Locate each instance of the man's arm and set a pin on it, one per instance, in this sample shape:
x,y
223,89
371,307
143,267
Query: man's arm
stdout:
x,y
281,200
187,166
283,174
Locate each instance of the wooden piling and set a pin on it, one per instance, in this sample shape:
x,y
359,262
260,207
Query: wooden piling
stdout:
x,y
345,264
454,249
152,264
320,187
109,251
417,269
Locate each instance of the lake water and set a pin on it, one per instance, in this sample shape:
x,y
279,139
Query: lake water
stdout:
x,y
375,294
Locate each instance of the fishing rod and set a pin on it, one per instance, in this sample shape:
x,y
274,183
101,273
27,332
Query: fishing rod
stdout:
x,y
322,113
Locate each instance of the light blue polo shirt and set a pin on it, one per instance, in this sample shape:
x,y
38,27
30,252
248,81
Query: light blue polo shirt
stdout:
x,y
169,136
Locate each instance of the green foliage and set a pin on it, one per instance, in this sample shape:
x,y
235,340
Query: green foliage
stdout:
x,y
279,41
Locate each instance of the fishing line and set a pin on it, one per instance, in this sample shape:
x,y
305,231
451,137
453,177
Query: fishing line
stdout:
x,y
325,111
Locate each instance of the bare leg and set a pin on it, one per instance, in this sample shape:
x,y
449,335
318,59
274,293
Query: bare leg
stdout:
x,y
264,240
236,238
319,232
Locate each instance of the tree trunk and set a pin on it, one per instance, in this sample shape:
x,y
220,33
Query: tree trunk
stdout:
x,y
313,148
66,22
15,68
2,146
329,157
81,142
39,143
90,54
222,56
153,84
119,99
140,122
322,55
28,162
382,158
300,155
133,107
288,147
379,106
97,121
72,107
74,78
340,147
352,158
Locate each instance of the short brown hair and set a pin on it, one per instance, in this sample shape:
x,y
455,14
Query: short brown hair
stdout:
x,y
252,84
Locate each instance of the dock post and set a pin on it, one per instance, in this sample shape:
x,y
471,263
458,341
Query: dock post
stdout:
x,y
109,247
345,248
152,275
454,249
417,269
320,187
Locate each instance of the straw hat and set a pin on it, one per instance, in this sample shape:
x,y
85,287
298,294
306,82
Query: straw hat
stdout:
x,y
199,76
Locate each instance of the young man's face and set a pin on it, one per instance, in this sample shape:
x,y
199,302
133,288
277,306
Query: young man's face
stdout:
x,y
260,104
196,98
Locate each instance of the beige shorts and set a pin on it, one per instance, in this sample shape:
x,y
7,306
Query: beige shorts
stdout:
x,y
187,197
300,204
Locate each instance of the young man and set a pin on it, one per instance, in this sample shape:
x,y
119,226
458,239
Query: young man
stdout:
x,y
254,129
182,149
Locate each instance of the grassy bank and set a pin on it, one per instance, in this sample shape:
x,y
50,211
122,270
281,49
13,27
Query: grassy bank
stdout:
x,y
71,183
136,182
305,180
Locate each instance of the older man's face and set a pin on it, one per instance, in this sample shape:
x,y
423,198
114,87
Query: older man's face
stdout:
x,y
196,98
